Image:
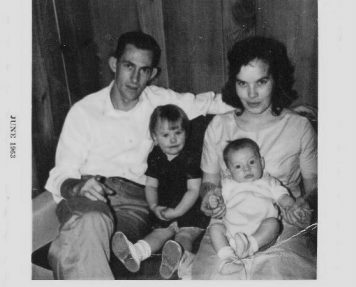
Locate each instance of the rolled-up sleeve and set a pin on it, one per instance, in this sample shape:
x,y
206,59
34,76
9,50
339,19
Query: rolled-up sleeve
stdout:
x,y
308,156
71,151
210,159
193,105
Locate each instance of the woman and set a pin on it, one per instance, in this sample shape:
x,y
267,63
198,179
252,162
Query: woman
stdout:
x,y
260,87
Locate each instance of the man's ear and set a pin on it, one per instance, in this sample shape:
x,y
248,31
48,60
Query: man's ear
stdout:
x,y
155,73
112,64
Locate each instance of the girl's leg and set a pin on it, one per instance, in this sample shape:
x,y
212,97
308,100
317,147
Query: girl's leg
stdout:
x,y
131,254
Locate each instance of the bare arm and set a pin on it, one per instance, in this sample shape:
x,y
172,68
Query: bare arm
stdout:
x,y
188,200
211,186
152,196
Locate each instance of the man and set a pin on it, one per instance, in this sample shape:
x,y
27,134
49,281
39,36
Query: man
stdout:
x,y
101,156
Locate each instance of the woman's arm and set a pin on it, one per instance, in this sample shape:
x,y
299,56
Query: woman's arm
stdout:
x,y
188,200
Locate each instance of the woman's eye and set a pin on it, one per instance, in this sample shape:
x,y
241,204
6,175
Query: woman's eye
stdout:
x,y
241,83
238,166
252,162
262,82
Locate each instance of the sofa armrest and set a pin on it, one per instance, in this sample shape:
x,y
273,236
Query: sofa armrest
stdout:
x,y
44,220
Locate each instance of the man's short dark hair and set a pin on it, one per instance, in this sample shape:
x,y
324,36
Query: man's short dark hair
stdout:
x,y
238,144
141,41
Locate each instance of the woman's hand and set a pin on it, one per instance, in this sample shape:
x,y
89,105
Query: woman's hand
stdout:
x,y
299,214
217,211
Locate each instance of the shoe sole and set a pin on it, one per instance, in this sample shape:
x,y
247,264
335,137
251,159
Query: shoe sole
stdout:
x,y
171,255
122,251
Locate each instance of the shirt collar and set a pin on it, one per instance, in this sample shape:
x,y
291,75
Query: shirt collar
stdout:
x,y
108,106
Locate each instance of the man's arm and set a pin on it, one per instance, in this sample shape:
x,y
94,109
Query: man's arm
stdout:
x,y
193,105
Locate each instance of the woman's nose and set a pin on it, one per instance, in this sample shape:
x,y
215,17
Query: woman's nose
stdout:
x,y
252,93
173,139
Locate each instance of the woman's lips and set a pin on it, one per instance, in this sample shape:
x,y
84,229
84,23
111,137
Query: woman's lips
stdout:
x,y
253,105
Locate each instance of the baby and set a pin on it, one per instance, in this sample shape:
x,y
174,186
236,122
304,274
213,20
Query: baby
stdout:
x,y
252,217
172,193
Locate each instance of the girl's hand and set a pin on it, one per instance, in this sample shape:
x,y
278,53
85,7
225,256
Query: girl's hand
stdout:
x,y
169,213
158,212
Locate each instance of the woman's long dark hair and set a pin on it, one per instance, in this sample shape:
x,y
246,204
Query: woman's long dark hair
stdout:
x,y
273,53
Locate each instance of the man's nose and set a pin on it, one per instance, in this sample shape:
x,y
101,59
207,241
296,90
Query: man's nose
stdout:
x,y
135,76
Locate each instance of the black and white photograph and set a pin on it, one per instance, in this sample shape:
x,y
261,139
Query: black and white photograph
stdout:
x,y
177,140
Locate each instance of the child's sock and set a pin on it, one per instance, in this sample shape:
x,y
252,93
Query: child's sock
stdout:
x,y
143,249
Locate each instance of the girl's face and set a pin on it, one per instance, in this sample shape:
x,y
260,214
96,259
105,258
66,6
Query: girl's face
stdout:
x,y
254,86
170,137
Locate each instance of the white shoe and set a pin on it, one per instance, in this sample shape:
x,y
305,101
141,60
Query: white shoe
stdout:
x,y
171,255
125,251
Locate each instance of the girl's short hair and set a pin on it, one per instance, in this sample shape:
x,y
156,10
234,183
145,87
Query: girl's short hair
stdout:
x,y
170,113
271,52
238,144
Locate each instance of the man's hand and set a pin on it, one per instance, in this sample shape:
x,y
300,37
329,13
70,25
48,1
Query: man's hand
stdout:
x,y
207,209
93,189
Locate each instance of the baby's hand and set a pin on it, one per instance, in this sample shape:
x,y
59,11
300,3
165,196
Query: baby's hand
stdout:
x,y
214,201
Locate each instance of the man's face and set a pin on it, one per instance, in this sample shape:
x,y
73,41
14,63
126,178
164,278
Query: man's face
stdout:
x,y
133,72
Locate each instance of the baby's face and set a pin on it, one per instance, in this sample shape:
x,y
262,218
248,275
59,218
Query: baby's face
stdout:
x,y
245,165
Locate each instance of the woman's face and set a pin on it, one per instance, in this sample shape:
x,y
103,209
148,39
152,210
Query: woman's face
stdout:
x,y
254,85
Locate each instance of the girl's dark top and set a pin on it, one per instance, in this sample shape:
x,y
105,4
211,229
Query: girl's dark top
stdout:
x,y
172,179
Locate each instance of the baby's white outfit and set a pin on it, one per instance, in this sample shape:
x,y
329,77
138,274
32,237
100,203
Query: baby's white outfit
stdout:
x,y
249,203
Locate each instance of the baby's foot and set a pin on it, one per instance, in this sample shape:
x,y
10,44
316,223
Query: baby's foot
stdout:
x,y
245,245
230,265
125,251
171,255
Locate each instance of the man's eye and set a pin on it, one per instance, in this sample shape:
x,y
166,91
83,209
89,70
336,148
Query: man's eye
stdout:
x,y
252,161
128,65
146,71
238,166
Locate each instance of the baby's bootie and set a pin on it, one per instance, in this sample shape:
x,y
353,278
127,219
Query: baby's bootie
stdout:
x,y
244,245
